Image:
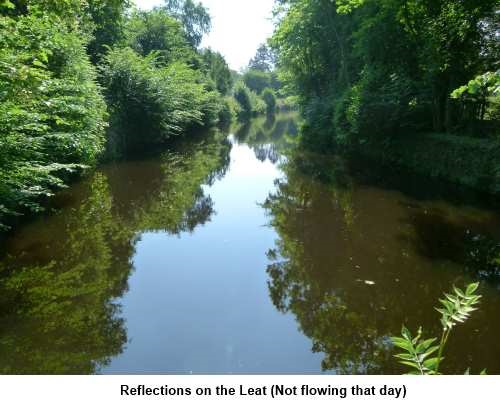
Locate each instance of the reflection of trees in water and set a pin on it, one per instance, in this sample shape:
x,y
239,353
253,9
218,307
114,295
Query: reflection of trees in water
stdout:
x,y
58,316
471,242
352,263
302,282
58,289
180,204
269,136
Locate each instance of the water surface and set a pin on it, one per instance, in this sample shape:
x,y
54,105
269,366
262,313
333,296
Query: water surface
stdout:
x,y
233,254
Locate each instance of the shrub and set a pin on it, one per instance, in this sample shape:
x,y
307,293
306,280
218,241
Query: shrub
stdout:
x,y
270,99
229,110
243,97
258,105
52,114
150,104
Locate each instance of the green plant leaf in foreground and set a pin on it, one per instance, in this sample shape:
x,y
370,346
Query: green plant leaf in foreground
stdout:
x,y
417,352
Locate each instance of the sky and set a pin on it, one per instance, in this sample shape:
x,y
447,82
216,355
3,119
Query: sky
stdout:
x,y
238,27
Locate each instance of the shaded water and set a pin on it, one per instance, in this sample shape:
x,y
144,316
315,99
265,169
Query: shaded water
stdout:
x,y
225,256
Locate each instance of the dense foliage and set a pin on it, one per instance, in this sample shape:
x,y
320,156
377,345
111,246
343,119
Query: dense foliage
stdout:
x,y
53,113
269,98
250,104
149,104
371,69
218,71
157,31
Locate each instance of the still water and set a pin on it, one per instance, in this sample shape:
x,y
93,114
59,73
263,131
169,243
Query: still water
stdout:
x,y
234,254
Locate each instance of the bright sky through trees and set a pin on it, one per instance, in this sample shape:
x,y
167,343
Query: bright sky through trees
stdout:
x,y
238,27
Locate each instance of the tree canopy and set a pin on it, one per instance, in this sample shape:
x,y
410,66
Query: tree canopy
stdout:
x,y
364,68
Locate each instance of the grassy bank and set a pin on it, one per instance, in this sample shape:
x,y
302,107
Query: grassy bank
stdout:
x,y
467,161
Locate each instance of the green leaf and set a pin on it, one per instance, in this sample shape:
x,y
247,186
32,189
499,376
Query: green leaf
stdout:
x,y
431,363
405,356
423,346
406,333
411,364
471,288
402,343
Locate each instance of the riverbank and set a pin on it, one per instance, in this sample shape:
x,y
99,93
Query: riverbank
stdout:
x,y
467,161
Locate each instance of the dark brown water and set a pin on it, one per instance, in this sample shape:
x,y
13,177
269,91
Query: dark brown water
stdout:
x,y
225,256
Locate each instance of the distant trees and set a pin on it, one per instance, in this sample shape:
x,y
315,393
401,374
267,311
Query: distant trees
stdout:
x,y
264,59
249,102
269,98
242,96
218,70
257,80
193,16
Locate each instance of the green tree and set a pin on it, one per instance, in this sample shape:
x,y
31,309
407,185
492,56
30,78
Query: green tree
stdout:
x,y
264,59
101,20
218,70
193,16
370,68
108,20
242,96
156,31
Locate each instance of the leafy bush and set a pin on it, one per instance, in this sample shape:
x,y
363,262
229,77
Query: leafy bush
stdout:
x,y
229,111
243,97
258,105
269,98
150,104
480,98
380,105
52,114
250,103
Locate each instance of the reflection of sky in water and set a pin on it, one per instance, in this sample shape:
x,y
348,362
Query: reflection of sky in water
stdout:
x,y
200,303
351,254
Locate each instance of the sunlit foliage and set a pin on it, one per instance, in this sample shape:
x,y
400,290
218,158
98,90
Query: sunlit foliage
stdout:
x,y
149,104
52,114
